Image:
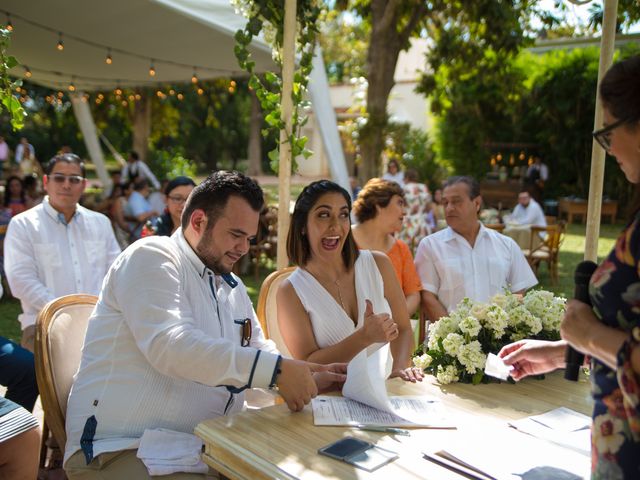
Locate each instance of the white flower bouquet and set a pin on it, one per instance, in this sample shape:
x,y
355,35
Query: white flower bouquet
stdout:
x,y
457,347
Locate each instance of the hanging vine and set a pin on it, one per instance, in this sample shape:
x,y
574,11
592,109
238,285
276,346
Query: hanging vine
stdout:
x,y
267,16
7,98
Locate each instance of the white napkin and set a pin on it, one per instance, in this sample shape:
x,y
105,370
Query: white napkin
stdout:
x,y
164,452
495,367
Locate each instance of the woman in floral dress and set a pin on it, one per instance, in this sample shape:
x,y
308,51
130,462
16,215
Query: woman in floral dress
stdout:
x,y
608,333
418,200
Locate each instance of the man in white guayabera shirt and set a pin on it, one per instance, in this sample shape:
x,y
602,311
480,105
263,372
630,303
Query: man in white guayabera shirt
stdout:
x,y
466,259
174,338
58,247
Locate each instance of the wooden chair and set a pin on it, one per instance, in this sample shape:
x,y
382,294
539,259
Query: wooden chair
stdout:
x,y
60,332
499,227
551,219
546,249
267,309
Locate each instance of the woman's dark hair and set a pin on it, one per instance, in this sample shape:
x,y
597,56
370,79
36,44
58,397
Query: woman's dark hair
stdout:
x,y
7,192
376,193
619,89
411,175
213,194
620,95
178,182
298,248
393,162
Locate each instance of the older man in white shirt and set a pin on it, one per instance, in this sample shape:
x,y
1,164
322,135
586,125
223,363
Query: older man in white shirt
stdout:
x,y
528,211
58,247
466,259
174,339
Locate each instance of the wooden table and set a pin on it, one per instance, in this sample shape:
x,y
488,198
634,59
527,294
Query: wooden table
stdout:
x,y
274,443
579,207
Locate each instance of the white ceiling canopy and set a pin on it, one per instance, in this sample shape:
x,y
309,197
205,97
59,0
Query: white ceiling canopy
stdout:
x,y
176,37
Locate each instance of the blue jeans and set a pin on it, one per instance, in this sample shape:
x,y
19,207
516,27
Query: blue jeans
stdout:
x,y
18,374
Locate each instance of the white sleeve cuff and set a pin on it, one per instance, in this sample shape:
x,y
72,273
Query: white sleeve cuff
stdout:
x,y
262,371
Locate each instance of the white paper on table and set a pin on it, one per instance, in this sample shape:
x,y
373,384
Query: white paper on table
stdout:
x,y
366,401
563,419
504,453
562,426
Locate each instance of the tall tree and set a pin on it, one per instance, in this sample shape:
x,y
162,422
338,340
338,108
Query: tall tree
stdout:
x,y
460,32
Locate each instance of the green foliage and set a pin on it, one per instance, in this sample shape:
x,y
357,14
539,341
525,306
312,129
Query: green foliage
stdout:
x,y
344,46
268,16
10,103
171,164
413,149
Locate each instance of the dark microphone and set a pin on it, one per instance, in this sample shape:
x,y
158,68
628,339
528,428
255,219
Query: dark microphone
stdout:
x,y
573,358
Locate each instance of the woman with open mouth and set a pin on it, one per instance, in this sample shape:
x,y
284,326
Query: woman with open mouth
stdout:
x,y
339,300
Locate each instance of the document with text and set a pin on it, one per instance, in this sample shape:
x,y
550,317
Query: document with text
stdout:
x,y
365,400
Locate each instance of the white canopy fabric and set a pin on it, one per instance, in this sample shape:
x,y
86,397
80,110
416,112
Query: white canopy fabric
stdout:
x,y
176,35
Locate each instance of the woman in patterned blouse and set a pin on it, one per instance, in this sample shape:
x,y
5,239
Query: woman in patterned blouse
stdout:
x,y
608,333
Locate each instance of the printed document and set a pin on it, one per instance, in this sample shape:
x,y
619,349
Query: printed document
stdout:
x,y
365,400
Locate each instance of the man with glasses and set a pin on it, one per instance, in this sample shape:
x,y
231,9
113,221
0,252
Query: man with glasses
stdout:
x,y
58,247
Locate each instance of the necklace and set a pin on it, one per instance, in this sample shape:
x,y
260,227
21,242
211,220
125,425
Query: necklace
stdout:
x,y
340,294
336,282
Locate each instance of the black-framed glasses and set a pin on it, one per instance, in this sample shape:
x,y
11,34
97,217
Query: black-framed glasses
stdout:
x,y
177,198
245,333
603,135
61,178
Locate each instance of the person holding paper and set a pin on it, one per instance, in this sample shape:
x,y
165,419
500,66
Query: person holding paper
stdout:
x,y
610,332
339,300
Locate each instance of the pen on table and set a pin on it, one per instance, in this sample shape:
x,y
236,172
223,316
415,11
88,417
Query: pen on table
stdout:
x,y
373,428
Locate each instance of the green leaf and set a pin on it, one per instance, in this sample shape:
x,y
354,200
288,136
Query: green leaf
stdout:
x,y
11,62
274,159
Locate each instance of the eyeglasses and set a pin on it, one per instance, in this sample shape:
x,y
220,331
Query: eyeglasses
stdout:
x,y
61,178
603,136
245,337
177,198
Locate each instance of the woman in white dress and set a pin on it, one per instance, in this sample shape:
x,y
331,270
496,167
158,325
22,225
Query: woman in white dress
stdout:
x,y
339,300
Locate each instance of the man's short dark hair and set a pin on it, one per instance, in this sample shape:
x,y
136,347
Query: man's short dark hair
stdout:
x,y
472,184
133,154
213,194
140,184
68,158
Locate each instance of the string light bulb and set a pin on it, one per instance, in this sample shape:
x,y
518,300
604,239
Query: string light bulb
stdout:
x,y
152,69
72,87
60,45
200,91
109,59
194,77
9,24
27,72
118,91
180,96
